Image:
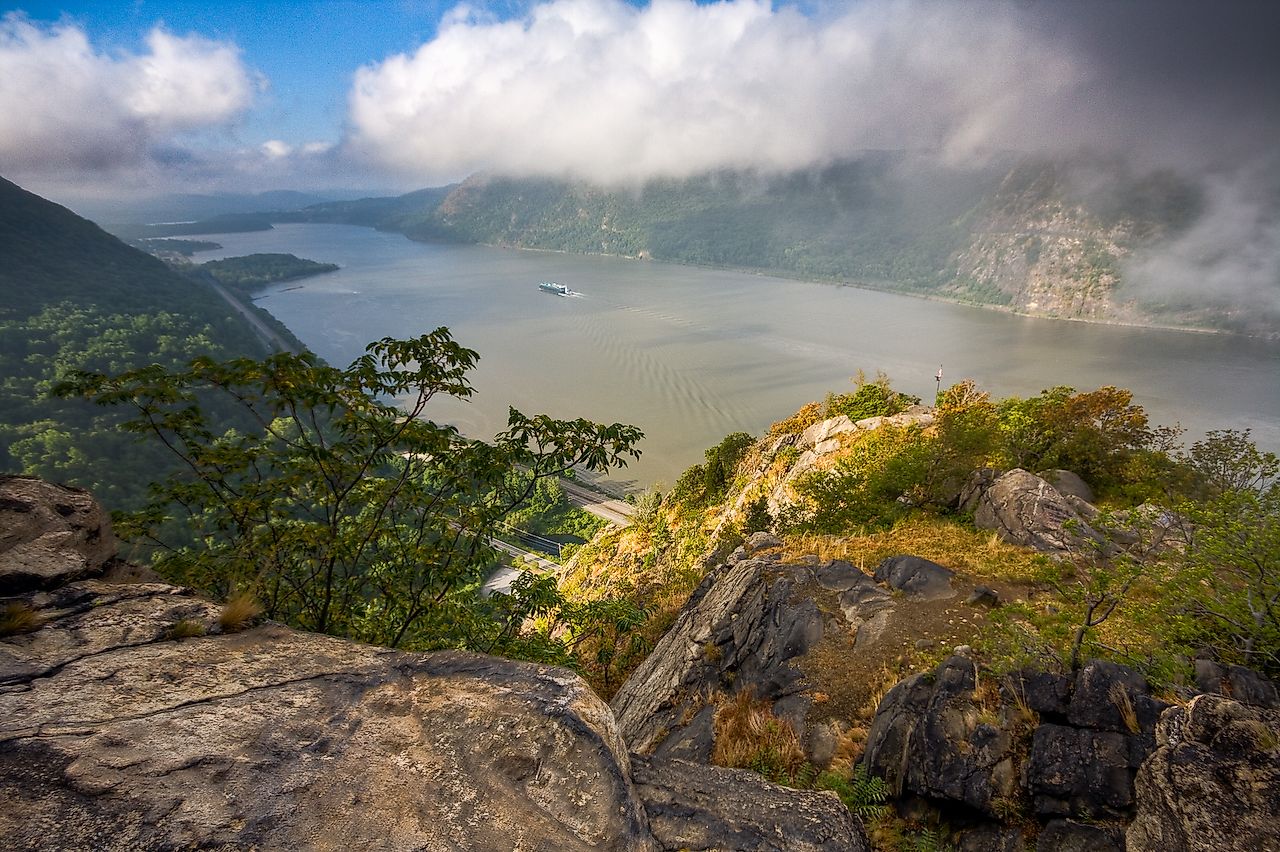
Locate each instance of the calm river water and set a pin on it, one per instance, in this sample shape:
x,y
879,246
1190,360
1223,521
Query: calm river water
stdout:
x,y
691,354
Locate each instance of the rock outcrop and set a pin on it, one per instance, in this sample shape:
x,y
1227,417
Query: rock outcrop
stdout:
x,y
1051,747
744,619
115,737
1026,510
933,738
1213,784
130,718
804,637
819,443
1082,757
49,534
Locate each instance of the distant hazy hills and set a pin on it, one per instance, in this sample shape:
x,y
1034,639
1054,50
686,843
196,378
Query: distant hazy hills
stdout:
x,y
1044,238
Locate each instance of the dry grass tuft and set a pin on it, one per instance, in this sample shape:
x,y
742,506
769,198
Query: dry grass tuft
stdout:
x,y
19,617
987,698
1120,697
185,628
749,736
239,612
1018,693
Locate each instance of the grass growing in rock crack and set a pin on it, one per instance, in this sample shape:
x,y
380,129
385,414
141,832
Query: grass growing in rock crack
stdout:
x,y
239,612
19,617
185,628
1120,697
749,736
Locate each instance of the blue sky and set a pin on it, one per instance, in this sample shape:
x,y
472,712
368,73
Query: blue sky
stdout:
x,y
146,97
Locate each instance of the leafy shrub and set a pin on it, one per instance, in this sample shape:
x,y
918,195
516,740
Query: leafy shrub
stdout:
x,y
704,484
865,487
869,399
1093,434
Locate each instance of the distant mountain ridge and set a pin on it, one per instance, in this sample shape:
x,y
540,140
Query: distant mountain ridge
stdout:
x,y
1034,236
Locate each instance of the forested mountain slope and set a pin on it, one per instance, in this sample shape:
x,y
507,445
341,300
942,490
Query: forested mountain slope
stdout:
x,y
74,297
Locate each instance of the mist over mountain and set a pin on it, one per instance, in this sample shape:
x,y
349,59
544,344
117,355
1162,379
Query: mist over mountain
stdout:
x,y
616,96
1080,238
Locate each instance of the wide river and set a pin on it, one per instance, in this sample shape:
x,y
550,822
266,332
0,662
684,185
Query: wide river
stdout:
x,y
690,354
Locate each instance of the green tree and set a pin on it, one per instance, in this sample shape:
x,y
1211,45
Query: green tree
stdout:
x,y
1094,433
338,504
1228,576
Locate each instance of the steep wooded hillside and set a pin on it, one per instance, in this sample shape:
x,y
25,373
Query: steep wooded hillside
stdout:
x,y
74,297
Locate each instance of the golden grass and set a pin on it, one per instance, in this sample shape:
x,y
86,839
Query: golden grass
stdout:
x,y
1018,692
239,612
185,628
749,736
987,698
19,617
1120,697
975,553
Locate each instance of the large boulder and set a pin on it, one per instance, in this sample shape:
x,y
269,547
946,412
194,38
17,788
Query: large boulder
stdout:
x,y
933,737
1084,765
1024,509
744,628
916,577
49,535
1213,784
1082,772
1068,484
693,806
1242,684
1040,745
113,736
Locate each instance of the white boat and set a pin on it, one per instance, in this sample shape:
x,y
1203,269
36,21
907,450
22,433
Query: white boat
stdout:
x,y
553,287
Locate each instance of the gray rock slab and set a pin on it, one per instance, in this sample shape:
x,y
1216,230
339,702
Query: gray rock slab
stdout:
x,y
916,577
113,738
691,806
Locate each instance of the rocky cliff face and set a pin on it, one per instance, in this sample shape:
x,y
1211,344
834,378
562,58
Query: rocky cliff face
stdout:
x,y
130,718
1039,252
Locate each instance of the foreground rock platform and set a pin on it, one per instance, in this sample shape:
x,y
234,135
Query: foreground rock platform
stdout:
x,y
114,735
273,738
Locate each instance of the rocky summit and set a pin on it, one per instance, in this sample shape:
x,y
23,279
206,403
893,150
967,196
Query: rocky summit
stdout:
x,y
131,717
135,714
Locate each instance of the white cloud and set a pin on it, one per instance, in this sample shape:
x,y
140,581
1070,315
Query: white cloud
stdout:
x,y
603,90
72,108
275,148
